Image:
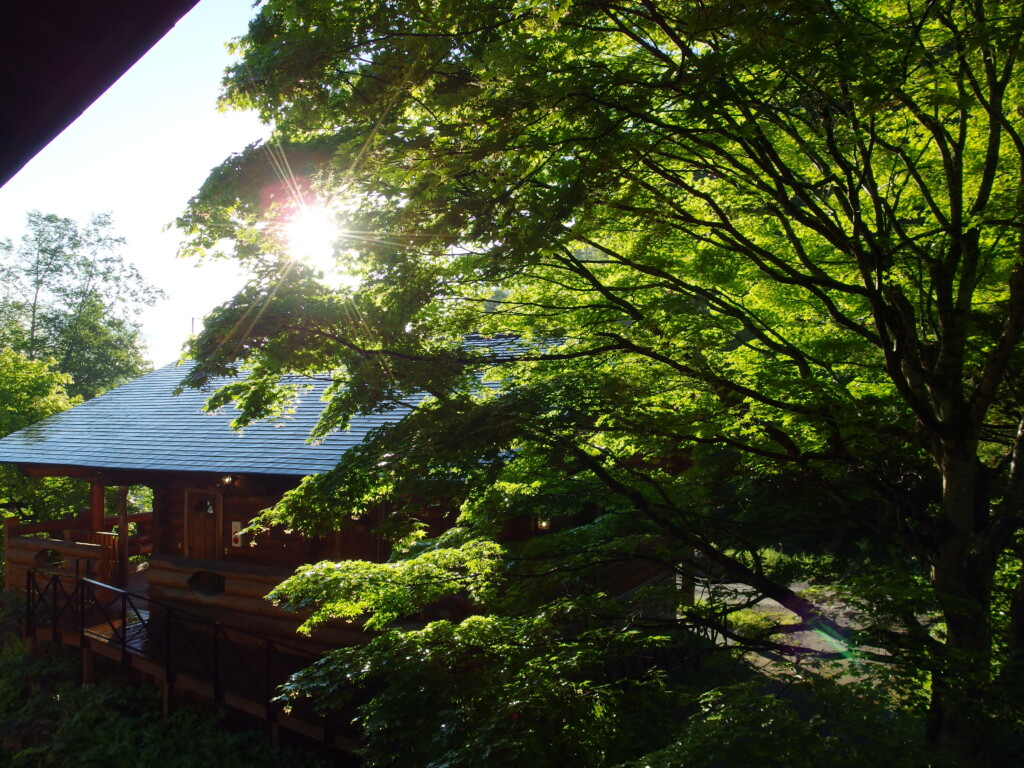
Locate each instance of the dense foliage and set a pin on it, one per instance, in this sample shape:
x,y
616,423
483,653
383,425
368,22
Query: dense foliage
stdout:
x,y
30,390
759,269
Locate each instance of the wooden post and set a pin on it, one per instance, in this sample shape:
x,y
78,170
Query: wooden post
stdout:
x,y
87,664
156,527
122,536
167,699
97,507
9,524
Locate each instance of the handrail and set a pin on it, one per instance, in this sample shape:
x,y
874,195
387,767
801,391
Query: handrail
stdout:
x,y
72,522
138,517
60,567
192,615
45,527
182,640
138,543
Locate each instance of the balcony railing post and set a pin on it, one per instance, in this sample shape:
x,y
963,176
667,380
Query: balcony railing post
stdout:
x,y
218,689
124,626
30,596
167,637
54,609
81,608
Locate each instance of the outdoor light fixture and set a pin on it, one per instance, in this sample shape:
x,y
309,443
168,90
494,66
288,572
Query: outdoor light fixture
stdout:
x,y
227,480
543,525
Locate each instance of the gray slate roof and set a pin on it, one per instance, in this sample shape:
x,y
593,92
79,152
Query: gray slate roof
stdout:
x,y
143,425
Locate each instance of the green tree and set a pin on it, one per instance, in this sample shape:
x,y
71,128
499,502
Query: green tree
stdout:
x,y
31,390
68,295
764,265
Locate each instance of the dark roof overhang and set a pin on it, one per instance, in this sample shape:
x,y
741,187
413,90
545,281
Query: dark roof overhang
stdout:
x,y
58,56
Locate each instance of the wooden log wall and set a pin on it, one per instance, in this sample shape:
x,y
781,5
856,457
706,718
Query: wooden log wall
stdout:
x,y
273,548
230,588
240,504
169,506
236,599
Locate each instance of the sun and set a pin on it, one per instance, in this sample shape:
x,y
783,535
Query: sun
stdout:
x,y
316,235
311,235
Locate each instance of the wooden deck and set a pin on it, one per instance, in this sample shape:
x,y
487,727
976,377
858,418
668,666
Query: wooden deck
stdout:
x,y
182,652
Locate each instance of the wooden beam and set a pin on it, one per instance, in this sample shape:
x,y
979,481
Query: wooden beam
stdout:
x,y
122,536
104,475
49,470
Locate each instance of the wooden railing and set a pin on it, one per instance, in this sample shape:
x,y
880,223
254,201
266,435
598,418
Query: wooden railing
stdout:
x,y
241,669
33,545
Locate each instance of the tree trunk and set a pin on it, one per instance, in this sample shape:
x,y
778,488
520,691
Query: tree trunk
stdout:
x,y
963,583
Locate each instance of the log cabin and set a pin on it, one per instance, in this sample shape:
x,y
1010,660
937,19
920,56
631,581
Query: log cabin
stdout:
x,y
208,481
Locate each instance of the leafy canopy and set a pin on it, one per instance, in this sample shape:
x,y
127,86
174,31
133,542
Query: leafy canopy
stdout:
x,y
763,266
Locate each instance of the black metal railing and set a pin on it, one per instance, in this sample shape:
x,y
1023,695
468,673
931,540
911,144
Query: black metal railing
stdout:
x,y
233,661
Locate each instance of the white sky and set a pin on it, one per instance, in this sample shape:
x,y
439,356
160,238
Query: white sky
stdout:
x,y
141,151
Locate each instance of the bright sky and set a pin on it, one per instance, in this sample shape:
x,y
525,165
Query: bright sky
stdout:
x,y
141,151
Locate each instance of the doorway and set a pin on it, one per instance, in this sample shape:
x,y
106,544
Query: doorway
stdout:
x,y
202,525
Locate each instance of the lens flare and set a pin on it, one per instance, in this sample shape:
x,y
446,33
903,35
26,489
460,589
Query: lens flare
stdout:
x,y
311,235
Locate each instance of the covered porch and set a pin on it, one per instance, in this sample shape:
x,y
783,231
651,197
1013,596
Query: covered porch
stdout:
x,y
91,544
